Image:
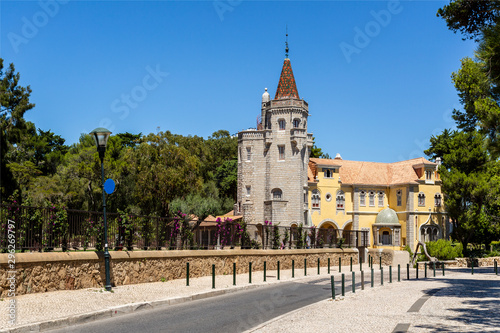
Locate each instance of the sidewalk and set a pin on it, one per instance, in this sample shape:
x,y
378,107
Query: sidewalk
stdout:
x,y
379,309
456,302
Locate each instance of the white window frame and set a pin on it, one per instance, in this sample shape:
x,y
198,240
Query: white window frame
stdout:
x,y
381,199
371,198
340,200
438,200
421,199
328,173
315,199
362,198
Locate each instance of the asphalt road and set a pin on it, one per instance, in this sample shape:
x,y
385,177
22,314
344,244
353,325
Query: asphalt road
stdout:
x,y
235,312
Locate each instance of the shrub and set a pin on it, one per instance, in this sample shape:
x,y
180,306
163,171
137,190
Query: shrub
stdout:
x,y
443,250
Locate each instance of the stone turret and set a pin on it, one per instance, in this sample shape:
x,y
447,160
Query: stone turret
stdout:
x,y
273,159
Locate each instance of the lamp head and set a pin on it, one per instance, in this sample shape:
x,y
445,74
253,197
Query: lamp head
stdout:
x,y
101,136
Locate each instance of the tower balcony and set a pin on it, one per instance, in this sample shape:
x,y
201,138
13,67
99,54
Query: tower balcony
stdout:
x,y
297,135
286,102
268,137
251,134
310,141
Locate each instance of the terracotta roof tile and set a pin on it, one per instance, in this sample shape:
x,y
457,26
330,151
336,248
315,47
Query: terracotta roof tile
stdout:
x,y
286,86
371,173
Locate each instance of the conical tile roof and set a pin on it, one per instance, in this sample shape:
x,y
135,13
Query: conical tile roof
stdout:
x,y
286,87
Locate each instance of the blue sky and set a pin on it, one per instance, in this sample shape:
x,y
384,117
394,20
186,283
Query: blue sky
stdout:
x,y
194,67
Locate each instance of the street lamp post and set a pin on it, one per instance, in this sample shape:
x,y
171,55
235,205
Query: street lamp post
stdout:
x,y
101,136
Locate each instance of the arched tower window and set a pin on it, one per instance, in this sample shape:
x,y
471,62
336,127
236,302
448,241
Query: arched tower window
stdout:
x,y
296,123
281,124
399,197
277,194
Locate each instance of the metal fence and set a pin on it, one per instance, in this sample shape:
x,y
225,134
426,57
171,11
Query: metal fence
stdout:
x,y
49,229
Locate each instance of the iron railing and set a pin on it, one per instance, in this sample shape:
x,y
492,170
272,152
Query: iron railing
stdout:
x,y
46,229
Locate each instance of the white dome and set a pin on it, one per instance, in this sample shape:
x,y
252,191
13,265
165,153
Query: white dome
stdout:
x,y
265,97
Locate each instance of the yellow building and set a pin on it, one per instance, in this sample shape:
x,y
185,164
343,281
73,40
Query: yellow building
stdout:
x,y
397,203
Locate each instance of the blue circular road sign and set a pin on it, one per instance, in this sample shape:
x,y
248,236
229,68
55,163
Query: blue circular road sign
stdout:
x,y
109,186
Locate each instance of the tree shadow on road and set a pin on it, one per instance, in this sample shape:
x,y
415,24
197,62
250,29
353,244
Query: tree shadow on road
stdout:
x,y
480,300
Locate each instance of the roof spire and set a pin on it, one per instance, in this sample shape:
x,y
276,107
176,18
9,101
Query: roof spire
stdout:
x,y
286,42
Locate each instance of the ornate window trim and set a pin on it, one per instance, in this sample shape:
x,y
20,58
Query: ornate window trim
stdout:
x,y
315,199
421,199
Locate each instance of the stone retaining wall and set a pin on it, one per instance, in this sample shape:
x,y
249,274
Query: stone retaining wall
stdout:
x,y
41,272
478,262
387,256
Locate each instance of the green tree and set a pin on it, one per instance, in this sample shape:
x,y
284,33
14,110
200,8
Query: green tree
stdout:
x,y
164,171
470,17
316,152
14,103
470,154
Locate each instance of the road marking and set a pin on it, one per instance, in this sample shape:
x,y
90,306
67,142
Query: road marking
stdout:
x,y
420,302
401,328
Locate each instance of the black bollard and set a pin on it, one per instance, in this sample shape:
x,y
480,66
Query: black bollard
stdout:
x,y
333,287
382,276
213,276
234,273
343,284
265,266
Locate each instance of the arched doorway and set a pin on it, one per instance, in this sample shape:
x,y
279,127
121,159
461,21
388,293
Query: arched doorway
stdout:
x,y
328,234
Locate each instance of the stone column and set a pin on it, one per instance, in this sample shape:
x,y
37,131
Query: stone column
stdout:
x,y
355,215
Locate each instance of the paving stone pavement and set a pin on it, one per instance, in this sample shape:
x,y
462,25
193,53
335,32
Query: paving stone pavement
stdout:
x,y
461,302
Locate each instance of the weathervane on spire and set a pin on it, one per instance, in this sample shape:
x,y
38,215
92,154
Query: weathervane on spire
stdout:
x,y
286,42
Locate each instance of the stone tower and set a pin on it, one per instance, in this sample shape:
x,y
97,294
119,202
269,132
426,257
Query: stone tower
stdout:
x,y
273,158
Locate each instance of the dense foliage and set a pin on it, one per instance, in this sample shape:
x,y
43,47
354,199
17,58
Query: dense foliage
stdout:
x,y
470,170
156,174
